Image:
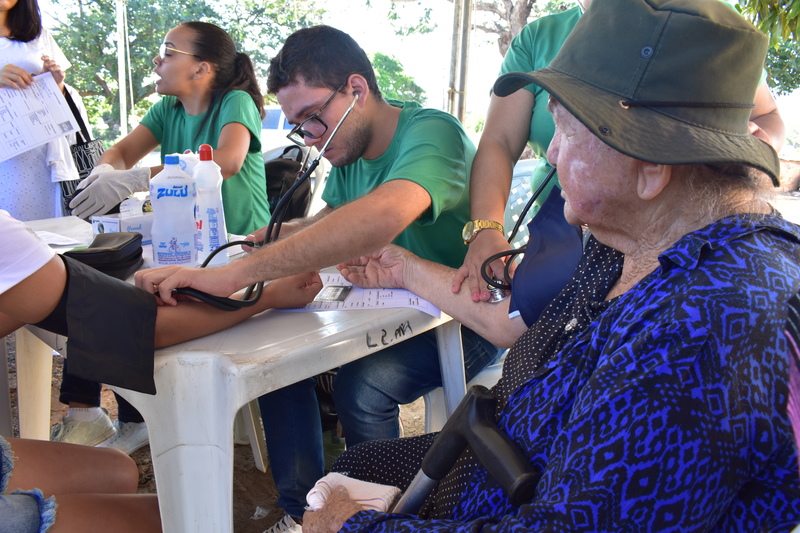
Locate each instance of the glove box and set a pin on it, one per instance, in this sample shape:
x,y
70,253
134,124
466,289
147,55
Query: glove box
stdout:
x,y
114,223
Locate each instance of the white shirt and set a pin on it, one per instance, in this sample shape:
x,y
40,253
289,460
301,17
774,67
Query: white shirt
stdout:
x,y
23,252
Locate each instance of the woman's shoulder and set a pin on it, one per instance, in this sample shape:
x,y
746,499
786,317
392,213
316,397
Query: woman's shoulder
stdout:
x,y
240,104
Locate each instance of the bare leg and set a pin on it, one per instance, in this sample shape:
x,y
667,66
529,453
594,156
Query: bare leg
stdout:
x,y
120,513
60,468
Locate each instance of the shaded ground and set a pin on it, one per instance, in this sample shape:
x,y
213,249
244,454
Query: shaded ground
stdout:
x,y
253,491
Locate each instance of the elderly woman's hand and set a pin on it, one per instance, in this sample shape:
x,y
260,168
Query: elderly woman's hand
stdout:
x,y
337,509
385,268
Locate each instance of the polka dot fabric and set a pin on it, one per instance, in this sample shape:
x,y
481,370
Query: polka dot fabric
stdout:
x,y
661,410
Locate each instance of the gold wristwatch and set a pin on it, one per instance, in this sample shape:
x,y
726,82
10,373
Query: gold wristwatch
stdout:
x,y
472,227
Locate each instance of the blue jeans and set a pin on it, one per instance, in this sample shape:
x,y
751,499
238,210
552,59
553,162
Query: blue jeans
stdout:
x,y
25,511
367,393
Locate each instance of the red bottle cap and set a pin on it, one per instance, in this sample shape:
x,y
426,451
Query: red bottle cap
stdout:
x,y
205,152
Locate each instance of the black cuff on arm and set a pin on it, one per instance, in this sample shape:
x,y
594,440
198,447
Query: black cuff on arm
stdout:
x,y
110,326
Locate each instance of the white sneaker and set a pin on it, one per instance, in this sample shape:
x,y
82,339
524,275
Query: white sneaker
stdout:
x,y
86,433
130,436
286,525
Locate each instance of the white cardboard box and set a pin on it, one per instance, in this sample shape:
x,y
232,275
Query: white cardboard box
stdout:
x,y
117,222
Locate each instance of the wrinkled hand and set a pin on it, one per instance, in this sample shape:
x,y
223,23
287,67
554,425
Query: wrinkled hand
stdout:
x,y
15,77
485,244
105,187
382,269
294,291
49,65
337,510
162,281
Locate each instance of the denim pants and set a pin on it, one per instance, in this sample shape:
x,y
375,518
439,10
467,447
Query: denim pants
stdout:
x,y
75,389
22,511
367,393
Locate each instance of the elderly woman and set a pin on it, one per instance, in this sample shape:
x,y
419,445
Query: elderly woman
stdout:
x,y
650,394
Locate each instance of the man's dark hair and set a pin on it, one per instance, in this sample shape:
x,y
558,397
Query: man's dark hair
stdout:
x,y
321,56
24,21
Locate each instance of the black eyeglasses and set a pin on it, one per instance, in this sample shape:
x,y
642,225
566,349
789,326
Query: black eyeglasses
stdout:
x,y
313,127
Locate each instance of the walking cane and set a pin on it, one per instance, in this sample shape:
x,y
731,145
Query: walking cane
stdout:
x,y
472,424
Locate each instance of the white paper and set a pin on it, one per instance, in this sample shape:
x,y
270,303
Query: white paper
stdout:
x,y
54,239
33,116
360,298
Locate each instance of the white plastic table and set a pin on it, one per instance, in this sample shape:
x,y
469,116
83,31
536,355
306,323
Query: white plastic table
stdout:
x,y
204,382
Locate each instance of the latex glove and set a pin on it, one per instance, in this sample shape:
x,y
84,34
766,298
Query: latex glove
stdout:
x,y
105,187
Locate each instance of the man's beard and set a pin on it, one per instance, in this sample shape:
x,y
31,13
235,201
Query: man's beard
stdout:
x,y
355,141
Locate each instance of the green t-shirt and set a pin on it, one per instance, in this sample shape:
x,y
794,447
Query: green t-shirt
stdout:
x,y
431,149
244,195
535,47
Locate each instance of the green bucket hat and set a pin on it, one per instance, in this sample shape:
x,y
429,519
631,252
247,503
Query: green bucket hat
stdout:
x,y
665,81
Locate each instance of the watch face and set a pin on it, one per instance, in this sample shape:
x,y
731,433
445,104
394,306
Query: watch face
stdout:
x,y
466,233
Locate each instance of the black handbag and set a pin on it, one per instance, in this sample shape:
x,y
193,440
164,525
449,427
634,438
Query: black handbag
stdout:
x,y
281,173
85,153
117,254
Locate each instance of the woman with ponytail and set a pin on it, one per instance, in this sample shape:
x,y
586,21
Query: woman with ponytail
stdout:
x,y
210,96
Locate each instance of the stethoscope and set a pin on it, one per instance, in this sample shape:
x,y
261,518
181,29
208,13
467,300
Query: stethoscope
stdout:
x,y
253,293
498,289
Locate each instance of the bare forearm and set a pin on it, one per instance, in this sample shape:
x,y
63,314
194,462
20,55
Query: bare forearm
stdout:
x,y
433,282
191,319
352,230
315,247
490,182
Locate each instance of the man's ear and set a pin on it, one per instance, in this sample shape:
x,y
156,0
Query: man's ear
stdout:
x,y
358,84
652,179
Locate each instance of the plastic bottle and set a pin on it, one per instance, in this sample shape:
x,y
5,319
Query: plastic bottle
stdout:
x,y
172,195
211,233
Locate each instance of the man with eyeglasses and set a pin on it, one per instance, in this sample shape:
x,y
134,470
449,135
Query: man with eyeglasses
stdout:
x,y
400,174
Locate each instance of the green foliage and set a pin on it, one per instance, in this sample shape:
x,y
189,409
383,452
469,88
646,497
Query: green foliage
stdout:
x,y
393,82
87,35
783,67
776,18
420,13
550,7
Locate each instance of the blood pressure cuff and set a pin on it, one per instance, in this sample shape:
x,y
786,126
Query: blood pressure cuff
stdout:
x,y
110,325
554,250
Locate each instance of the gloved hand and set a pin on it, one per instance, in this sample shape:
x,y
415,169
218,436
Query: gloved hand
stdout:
x,y
105,187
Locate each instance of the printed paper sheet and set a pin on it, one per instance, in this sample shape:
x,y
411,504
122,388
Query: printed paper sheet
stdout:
x,y
33,116
337,293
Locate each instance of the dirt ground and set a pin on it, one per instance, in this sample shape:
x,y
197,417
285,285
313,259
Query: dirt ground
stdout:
x,y
254,496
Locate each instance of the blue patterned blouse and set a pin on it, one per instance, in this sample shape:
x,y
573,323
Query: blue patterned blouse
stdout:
x,y
663,409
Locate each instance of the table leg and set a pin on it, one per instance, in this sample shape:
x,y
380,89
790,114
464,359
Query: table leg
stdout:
x,y
34,377
191,442
6,417
451,363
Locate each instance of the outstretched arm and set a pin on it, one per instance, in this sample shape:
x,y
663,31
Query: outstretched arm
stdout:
x,y
356,228
190,319
394,266
35,297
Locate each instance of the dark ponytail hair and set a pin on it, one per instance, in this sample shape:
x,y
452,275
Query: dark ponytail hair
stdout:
x,y
234,70
24,21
